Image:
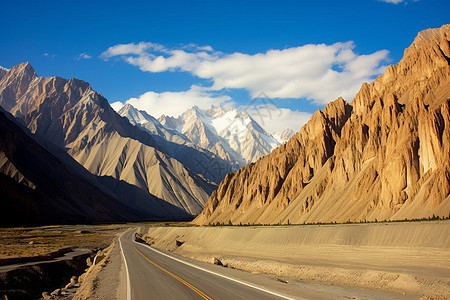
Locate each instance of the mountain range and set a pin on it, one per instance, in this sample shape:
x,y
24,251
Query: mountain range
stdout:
x,y
232,135
126,160
154,170
385,155
66,156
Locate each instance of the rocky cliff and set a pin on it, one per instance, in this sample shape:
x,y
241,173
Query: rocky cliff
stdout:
x,y
386,155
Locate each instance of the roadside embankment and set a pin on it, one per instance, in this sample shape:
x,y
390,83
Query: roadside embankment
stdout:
x,y
29,280
410,257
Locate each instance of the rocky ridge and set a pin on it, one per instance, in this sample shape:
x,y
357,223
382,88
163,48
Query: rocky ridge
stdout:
x,y
384,156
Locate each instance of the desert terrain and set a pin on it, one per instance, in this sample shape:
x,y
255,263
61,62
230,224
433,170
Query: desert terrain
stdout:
x,y
39,242
397,260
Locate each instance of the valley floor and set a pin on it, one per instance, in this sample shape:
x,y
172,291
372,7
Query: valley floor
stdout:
x,y
411,258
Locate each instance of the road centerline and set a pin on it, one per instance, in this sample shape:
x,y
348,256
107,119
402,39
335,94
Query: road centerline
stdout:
x,y
218,274
187,284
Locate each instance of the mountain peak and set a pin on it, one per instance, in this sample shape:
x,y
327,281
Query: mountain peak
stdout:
x,y
340,166
3,72
216,111
436,39
284,136
431,34
128,106
134,115
24,68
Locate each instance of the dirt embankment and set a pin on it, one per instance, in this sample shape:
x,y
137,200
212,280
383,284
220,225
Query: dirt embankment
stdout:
x,y
30,280
411,258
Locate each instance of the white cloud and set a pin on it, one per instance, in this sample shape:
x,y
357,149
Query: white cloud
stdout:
x,y
392,1
136,49
277,120
83,56
174,103
397,1
117,105
49,55
270,117
318,72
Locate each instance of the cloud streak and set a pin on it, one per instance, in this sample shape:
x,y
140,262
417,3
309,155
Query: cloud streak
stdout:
x,y
174,103
398,1
317,72
83,56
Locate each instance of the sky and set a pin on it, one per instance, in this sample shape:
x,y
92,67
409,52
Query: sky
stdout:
x,y
279,60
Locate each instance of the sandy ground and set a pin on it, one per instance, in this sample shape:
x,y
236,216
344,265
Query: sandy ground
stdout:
x,y
407,258
39,241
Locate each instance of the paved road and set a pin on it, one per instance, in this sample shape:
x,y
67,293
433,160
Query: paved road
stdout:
x,y
152,274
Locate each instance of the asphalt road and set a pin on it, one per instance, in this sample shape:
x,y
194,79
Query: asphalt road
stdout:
x,y
153,274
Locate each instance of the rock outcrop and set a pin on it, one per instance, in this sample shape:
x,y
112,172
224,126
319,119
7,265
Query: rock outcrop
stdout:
x,y
384,156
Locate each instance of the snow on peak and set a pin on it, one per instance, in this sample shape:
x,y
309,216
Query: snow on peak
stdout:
x,y
231,134
216,111
235,129
134,115
284,135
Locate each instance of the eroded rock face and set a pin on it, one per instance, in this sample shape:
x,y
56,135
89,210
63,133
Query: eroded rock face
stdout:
x,y
386,155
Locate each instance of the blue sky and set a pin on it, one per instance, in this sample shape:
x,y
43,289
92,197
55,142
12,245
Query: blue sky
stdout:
x,y
174,54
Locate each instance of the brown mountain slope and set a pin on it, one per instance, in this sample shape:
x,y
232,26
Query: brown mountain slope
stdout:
x,y
38,188
386,155
74,117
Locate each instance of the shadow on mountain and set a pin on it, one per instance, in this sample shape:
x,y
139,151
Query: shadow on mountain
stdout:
x,y
150,207
38,186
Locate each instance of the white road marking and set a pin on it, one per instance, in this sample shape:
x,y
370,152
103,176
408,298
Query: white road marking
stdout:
x,y
214,273
126,268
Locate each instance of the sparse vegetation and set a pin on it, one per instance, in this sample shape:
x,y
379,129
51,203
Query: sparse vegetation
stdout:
x,y
431,218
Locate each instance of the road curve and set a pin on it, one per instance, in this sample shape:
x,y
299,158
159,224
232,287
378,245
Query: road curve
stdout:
x,y
153,274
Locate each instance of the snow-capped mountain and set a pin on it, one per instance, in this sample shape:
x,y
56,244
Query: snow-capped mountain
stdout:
x,y
230,134
144,120
284,136
199,159
132,164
